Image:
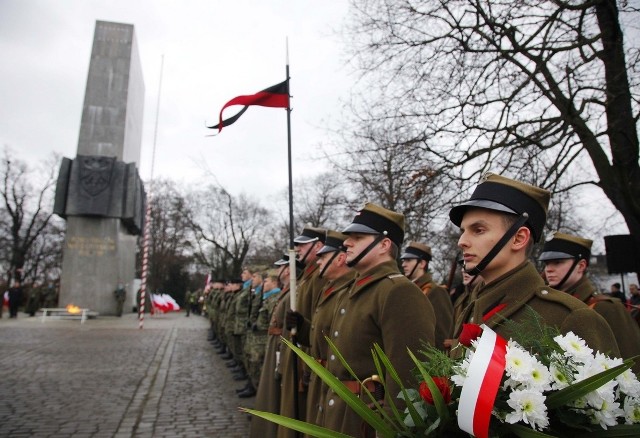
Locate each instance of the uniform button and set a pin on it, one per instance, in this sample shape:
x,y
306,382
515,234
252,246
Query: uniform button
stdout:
x,y
333,357
320,408
343,311
335,334
331,402
313,326
544,292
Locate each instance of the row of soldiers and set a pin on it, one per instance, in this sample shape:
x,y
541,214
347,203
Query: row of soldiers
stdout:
x,y
351,290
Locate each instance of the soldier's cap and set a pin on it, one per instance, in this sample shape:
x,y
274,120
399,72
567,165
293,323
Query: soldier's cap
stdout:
x,y
374,219
565,246
285,261
416,250
333,242
498,193
310,234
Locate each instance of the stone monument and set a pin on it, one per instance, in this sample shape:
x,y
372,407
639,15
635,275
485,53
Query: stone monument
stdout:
x,y
100,193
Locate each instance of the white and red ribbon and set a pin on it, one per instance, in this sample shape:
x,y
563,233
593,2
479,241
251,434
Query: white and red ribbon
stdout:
x,y
480,388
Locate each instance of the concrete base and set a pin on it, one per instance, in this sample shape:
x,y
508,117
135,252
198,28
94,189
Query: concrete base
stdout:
x,y
97,253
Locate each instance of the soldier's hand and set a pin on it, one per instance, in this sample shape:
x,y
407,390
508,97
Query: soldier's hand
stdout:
x,y
293,319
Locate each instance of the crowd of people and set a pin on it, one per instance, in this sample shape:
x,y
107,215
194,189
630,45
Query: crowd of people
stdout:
x,y
351,290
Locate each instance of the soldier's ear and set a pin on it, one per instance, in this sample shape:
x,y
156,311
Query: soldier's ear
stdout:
x,y
521,239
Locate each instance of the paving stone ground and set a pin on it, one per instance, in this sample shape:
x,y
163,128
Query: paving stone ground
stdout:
x,y
108,378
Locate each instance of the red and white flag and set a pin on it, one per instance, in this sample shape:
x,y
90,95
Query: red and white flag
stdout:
x,y
482,383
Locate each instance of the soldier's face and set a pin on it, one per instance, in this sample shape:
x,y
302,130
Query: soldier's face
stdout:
x,y
481,229
408,266
269,284
303,248
246,275
256,280
355,244
555,270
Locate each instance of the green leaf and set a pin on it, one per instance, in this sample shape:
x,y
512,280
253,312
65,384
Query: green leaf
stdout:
x,y
384,359
360,408
580,389
621,430
300,426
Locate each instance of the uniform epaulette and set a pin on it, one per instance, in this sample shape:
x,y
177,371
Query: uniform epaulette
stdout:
x,y
550,294
395,275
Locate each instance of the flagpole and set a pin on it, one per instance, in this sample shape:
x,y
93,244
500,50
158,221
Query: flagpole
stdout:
x,y
292,254
147,220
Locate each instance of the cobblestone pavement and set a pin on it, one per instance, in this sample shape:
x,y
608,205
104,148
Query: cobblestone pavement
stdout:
x,y
108,378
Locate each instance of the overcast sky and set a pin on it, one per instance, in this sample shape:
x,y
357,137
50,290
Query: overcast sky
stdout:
x,y
213,51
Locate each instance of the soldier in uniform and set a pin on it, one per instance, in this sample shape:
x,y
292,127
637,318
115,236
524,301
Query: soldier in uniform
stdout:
x,y
257,336
239,326
306,245
268,395
566,260
499,226
381,307
415,264
120,295
332,260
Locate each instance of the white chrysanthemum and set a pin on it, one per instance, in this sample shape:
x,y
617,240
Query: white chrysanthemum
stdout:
x,y
559,378
528,406
518,363
607,414
606,391
632,410
540,377
629,384
574,347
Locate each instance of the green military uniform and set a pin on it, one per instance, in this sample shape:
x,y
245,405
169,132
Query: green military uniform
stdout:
x,y
382,307
623,326
241,316
268,396
309,283
257,337
562,247
442,306
120,294
230,323
33,302
512,295
319,348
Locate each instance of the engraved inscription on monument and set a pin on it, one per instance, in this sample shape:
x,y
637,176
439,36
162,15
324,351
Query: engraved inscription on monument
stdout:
x,y
87,246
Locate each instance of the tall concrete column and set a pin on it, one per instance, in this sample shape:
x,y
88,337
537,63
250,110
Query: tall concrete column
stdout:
x,y
96,194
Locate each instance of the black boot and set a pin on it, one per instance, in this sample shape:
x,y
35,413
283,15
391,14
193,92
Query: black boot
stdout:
x,y
227,356
244,388
249,392
240,376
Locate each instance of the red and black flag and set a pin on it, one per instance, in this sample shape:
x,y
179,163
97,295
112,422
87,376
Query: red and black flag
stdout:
x,y
276,96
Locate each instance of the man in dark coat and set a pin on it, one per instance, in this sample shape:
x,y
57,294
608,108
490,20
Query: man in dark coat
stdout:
x,y
381,307
15,299
499,226
566,259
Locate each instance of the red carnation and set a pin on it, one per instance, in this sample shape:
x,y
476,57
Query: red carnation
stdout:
x,y
470,332
442,383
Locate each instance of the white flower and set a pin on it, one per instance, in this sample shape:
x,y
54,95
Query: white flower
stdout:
x,y
574,347
607,414
629,384
528,406
558,376
632,410
518,363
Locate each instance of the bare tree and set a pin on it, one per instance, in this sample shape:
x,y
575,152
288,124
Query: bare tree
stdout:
x,y
170,246
26,195
224,228
509,86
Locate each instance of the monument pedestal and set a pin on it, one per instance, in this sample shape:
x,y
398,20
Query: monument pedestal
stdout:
x,y
98,252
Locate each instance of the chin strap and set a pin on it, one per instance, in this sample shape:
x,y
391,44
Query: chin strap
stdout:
x,y
359,257
498,246
576,260
333,257
306,254
414,268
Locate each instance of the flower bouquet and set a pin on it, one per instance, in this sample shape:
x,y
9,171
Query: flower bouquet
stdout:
x,y
538,383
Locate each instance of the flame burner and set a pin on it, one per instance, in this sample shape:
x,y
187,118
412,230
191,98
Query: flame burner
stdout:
x,y
71,311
